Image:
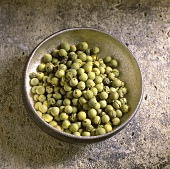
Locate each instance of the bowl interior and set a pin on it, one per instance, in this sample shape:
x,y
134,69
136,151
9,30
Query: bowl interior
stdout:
x,y
128,67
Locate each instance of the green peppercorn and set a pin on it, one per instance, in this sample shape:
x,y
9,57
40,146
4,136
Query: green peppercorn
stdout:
x,y
75,66
48,118
73,57
116,121
83,77
45,79
80,71
77,93
49,67
65,46
86,106
49,89
91,75
62,67
67,131
86,133
98,80
92,102
112,113
124,108
96,106
73,71
33,75
117,104
95,50
40,89
118,113
42,98
41,67
82,57
53,123
55,52
36,97
82,100
62,52
97,120
68,109
89,58
102,69
47,58
99,87
88,67
59,103
81,115
83,46
58,128
89,128
96,71
114,95
100,131
57,118
51,101
105,118
36,105
88,94
106,89
103,95
67,87
60,73
111,76
81,85
116,72
73,48
57,96
34,82
73,117
108,108
55,62
55,81
73,82
107,59
77,133
75,101
106,81
116,82
73,127
66,124
113,63
63,116
92,113
94,90
123,100
78,61
86,122
103,103
108,128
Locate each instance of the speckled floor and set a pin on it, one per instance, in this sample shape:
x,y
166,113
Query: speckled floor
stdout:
x,y
144,26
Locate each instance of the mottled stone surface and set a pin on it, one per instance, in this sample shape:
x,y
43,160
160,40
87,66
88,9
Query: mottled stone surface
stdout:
x,y
144,26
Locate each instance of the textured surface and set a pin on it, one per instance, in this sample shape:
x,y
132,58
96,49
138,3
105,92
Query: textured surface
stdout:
x,y
143,26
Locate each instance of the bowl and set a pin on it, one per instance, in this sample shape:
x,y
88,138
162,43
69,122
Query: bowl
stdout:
x,y
109,45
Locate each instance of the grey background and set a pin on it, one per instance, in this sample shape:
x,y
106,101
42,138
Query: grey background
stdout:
x,y
144,26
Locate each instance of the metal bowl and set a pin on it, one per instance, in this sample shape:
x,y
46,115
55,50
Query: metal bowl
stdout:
x,y
129,68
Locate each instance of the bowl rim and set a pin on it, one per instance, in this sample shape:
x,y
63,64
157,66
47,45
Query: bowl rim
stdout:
x,y
31,111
